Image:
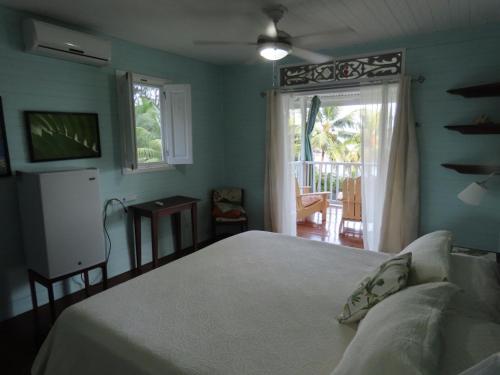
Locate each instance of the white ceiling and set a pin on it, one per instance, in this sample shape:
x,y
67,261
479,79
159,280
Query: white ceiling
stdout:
x,y
173,25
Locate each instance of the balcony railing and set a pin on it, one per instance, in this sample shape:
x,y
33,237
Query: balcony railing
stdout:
x,y
325,175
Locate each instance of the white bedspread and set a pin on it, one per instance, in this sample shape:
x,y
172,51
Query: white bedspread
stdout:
x,y
256,303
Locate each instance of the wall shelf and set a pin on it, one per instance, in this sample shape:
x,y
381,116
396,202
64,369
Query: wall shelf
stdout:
x,y
473,168
475,129
490,89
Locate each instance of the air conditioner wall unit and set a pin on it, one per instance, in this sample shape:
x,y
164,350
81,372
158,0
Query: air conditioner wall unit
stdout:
x,y
55,41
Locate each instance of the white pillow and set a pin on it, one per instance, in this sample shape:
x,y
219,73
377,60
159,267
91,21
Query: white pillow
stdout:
x,y
490,366
467,341
399,335
431,257
479,278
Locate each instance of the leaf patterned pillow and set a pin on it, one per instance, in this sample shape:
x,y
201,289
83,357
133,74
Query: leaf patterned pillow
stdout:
x,y
387,279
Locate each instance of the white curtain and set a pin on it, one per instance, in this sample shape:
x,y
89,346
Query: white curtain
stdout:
x,y
279,190
378,106
390,167
401,206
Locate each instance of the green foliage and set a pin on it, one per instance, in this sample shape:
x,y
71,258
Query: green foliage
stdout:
x,y
148,124
63,136
337,135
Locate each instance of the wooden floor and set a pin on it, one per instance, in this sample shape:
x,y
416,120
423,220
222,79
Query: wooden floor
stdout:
x,y
314,229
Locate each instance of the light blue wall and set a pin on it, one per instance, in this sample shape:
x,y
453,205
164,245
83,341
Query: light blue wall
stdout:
x,y
31,82
447,60
229,135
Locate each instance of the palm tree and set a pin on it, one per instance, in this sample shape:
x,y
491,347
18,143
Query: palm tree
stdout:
x,y
148,129
336,134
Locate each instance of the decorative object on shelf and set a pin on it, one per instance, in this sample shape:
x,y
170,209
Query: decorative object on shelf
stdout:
x,y
475,192
475,129
483,120
479,91
4,151
473,168
62,135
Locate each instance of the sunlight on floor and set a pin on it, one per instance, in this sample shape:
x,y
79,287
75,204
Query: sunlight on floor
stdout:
x,y
314,229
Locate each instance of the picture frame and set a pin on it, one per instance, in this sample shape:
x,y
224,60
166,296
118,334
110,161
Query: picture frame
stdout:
x,y
62,135
5,169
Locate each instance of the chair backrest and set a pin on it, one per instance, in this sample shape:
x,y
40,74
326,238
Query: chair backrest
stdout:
x,y
297,187
297,195
229,195
351,202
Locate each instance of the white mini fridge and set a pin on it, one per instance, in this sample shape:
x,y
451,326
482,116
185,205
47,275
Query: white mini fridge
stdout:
x,y
61,220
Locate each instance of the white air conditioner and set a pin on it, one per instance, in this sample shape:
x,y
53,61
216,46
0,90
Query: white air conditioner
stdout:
x,y
55,41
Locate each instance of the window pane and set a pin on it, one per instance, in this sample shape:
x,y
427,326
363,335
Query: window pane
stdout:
x,y
148,124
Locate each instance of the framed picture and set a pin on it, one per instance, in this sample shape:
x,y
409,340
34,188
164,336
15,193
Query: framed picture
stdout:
x,y
62,135
4,150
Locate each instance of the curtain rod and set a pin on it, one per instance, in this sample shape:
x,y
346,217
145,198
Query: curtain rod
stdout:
x,y
342,85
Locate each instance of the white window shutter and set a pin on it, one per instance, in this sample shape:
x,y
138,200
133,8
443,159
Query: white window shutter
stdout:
x,y
178,124
126,113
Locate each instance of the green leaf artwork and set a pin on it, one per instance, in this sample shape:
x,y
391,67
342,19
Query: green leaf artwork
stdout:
x,y
58,136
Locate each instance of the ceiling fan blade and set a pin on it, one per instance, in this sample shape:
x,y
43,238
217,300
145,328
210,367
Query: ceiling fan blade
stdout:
x,y
222,43
311,56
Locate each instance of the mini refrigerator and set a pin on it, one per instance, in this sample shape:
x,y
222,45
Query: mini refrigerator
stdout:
x,y
61,220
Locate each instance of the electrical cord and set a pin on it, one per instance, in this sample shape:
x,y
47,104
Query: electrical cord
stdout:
x,y
107,244
105,218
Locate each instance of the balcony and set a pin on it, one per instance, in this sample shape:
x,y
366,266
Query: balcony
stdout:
x,y
325,176
328,176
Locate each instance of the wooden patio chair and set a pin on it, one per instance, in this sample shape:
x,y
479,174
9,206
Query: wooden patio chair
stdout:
x,y
351,202
308,203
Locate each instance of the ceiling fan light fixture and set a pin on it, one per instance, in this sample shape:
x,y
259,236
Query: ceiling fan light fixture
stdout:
x,y
274,51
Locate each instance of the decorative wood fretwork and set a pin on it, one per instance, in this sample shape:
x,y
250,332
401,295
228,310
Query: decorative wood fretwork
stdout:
x,y
388,64
343,69
307,74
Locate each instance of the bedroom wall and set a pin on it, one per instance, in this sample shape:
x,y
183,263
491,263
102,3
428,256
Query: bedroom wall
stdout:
x,y
447,60
31,82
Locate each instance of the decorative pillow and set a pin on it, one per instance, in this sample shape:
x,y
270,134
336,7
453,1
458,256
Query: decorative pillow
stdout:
x,y
228,210
400,335
387,279
431,257
233,195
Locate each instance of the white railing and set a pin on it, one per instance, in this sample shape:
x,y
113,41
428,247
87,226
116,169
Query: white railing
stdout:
x,y
325,175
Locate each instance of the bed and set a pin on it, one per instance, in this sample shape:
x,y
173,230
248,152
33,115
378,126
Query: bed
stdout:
x,y
256,303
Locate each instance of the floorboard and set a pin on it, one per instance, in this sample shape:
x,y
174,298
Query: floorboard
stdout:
x,y
314,229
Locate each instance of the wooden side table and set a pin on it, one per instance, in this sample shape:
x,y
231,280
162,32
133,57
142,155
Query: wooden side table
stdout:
x,y
35,277
171,206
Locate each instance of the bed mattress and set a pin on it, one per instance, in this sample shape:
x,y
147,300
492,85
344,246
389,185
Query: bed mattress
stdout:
x,y
257,303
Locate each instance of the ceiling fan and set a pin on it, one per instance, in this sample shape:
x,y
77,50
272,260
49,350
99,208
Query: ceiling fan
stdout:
x,y
276,44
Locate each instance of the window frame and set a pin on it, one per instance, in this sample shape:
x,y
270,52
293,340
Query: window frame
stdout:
x,y
155,166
